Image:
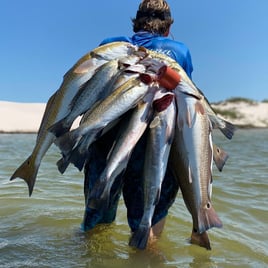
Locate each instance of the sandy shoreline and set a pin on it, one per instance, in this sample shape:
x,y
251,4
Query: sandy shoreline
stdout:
x,y
26,117
20,117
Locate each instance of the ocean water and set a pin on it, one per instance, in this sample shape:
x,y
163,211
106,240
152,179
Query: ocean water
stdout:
x,y
44,230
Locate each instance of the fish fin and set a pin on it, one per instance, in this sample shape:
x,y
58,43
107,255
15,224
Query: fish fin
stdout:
x,y
219,156
208,218
201,240
62,164
59,128
67,141
140,238
28,172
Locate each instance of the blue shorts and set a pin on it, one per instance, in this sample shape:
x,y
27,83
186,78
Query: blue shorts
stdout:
x,y
130,183
133,189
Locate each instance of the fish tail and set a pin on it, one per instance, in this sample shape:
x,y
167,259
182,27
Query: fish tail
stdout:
x,y
62,164
60,127
140,237
79,153
228,130
201,240
78,158
225,127
28,172
208,218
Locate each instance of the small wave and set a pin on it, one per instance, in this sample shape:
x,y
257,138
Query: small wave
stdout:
x,y
3,243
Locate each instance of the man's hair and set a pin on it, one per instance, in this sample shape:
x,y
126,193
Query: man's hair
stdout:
x,y
153,16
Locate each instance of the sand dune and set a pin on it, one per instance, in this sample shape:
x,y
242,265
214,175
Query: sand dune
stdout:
x,y
244,113
20,117
26,117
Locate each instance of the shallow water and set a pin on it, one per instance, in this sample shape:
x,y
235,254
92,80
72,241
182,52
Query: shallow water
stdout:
x,y
44,230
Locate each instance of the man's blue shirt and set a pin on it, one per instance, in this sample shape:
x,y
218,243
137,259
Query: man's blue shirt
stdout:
x,y
132,189
174,49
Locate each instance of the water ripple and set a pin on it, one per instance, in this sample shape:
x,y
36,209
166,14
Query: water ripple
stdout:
x,y
44,230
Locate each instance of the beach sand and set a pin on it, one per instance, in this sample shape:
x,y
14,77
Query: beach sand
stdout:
x,y
26,117
20,117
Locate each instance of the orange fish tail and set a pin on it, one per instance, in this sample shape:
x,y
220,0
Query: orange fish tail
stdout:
x,y
208,218
201,240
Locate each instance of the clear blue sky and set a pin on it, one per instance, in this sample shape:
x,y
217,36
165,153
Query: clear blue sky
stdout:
x,y
41,40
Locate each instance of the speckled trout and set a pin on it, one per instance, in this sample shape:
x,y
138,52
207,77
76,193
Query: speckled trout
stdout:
x,y
58,105
74,144
129,134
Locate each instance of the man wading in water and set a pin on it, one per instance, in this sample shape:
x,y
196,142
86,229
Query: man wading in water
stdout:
x,y
151,29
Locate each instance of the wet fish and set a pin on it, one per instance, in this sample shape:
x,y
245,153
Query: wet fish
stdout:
x,y
179,170
118,158
63,163
191,155
96,162
219,155
58,105
118,81
95,89
156,156
190,88
115,50
201,240
74,144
